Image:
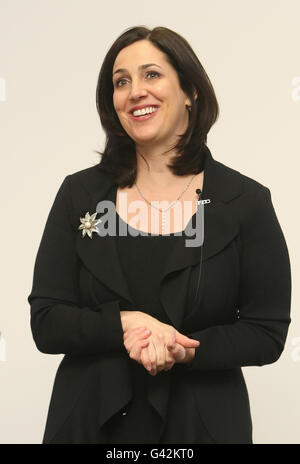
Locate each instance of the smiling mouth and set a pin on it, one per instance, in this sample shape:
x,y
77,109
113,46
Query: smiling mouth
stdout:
x,y
145,116
143,111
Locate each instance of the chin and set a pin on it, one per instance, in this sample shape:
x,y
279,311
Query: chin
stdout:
x,y
144,137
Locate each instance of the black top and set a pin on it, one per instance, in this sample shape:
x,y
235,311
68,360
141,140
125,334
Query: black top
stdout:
x,y
142,257
147,255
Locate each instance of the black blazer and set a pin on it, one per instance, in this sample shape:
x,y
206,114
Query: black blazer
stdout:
x,y
242,318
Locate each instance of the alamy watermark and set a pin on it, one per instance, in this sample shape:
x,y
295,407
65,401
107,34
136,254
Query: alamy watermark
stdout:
x,y
180,215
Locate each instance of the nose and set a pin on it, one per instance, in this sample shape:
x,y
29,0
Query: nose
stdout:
x,y
137,89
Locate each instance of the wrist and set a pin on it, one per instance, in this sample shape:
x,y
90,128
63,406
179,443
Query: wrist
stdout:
x,y
124,316
130,319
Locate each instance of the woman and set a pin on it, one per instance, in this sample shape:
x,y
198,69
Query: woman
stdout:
x,y
209,308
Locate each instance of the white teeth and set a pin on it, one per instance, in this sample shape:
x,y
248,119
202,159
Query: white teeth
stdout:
x,y
149,109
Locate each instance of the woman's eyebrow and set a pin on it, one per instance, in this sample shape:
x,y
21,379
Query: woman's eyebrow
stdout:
x,y
142,66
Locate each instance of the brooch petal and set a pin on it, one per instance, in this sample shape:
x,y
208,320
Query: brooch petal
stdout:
x,y
88,224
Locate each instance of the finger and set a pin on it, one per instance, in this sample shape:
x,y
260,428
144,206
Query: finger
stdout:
x,y
178,352
135,352
168,358
174,348
160,352
186,341
134,337
170,361
152,358
145,359
170,353
139,347
169,365
135,330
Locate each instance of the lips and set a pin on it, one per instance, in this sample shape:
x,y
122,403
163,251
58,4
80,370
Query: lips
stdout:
x,y
144,117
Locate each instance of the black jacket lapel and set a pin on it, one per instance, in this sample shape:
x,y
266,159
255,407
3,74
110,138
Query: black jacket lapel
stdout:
x,y
220,227
99,253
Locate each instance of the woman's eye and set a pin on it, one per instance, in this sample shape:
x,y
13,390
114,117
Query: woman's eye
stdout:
x,y
117,82
153,72
147,74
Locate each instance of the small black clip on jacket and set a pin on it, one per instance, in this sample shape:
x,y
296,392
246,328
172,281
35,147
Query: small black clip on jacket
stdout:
x,y
199,193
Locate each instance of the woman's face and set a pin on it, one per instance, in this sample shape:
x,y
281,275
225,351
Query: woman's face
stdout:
x,y
154,86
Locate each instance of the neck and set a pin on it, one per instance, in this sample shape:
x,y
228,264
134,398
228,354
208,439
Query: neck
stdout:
x,y
152,168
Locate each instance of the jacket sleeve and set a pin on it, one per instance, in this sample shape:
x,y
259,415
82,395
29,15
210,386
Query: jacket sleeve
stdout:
x,y
259,333
59,324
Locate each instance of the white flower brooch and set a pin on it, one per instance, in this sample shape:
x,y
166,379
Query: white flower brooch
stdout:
x,y
88,224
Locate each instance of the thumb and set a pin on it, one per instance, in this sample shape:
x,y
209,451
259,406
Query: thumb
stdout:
x,y
186,341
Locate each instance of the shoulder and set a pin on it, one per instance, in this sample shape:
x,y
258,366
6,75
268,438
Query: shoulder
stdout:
x,y
231,184
247,184
245,195
80,190
249,208
89,177
87,183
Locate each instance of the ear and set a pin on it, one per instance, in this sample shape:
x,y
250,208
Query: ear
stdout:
x,y
188,101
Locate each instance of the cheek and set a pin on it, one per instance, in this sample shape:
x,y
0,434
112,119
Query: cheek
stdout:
x,y
116,106
117,102
170,98
161,91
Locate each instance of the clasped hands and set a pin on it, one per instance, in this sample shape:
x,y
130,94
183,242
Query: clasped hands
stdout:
x,y
155,345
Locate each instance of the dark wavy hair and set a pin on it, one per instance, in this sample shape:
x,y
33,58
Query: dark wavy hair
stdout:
x,y
119,156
